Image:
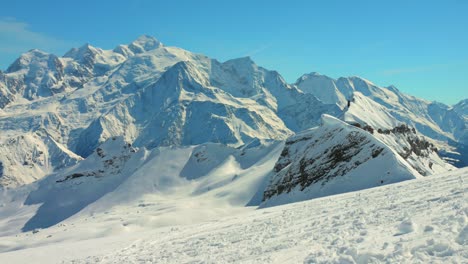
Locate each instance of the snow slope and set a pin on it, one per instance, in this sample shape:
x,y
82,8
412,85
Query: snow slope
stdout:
x,y
118,175
419,221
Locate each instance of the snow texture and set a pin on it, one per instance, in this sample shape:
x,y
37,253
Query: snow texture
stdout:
x,y
419,221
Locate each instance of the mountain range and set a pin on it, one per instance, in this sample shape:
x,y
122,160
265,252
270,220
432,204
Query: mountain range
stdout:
x,y
98,116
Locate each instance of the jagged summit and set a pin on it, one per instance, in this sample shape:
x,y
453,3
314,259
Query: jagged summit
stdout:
x,y
308,75
78,53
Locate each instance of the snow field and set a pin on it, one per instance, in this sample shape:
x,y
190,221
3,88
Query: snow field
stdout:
x,y
419,221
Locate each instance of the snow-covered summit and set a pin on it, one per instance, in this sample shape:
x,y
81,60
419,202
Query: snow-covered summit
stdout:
x,y
144,43
30,58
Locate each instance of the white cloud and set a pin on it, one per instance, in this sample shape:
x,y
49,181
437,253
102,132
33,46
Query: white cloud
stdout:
x,y
16,37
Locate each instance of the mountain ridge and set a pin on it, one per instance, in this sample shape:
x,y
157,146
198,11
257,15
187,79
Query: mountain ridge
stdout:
x,y
154,95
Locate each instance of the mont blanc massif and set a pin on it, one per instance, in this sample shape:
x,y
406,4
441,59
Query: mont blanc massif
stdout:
x,y
151,153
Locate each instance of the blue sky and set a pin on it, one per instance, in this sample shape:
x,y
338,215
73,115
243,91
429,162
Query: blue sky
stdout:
x,y
419,46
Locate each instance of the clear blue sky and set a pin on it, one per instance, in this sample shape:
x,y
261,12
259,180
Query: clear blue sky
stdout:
x,y
419,46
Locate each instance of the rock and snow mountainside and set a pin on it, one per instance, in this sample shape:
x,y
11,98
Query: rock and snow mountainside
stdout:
x,y
338,157
462,108
64,194
30,156
387,107
150,94
58,110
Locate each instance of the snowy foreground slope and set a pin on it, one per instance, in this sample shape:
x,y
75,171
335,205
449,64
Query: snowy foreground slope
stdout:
x,y
418,221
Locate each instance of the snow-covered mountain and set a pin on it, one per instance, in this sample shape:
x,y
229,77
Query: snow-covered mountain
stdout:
x,y
462,108
337,157
386,107
152,95
30,156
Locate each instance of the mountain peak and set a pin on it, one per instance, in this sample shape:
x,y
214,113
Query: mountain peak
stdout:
x,y
312,75
360,79
26,58
144,43
37,52
241,60
76,53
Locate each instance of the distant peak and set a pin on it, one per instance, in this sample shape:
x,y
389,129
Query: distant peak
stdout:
x,y
76,53
37,51
144,43
313,74
86,46
355,77
358,79
26,58
241,61
145,38
246,58
310,76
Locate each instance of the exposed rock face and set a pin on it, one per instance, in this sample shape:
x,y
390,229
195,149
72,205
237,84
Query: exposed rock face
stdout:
x,y
337,157
108,159
419,151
